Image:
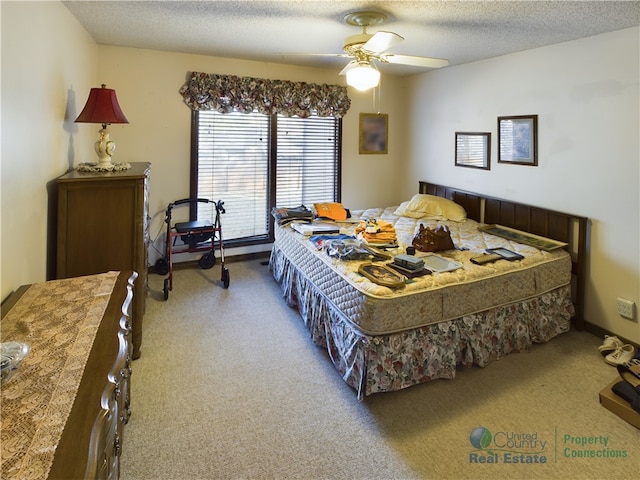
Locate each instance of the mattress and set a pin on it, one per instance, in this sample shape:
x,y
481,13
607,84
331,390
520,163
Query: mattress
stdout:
x,y
438,297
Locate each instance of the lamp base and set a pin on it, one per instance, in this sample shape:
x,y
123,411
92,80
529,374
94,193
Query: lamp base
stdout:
x,y
104,148
103,167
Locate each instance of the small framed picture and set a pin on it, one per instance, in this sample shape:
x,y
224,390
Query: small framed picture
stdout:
x,y
473,150
374,133
518,140
382,275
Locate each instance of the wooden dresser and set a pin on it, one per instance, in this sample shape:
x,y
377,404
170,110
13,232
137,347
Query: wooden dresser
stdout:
x,y
64,409
103,225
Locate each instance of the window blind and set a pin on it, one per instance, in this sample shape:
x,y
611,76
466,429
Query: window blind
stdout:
x,y
233,166
307,161
236,164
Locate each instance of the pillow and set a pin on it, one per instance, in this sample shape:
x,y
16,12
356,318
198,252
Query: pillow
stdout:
x,y
423,205
332,210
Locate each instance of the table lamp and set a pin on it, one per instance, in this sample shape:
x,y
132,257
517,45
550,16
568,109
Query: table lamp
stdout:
x,y
102,107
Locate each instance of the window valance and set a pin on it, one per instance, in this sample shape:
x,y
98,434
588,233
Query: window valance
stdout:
x,y
229,93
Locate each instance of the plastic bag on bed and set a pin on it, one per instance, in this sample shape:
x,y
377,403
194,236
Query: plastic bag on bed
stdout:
x,y
284,215
346,249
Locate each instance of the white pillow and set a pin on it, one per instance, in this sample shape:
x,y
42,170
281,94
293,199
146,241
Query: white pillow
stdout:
x,y
431,206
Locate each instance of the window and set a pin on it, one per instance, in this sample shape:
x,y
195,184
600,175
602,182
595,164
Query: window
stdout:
x,y
253,162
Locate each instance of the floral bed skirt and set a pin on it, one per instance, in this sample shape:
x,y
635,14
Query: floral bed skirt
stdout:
x,y
383,363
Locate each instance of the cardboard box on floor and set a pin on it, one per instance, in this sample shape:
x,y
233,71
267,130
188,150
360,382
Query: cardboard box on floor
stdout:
x,y
618,405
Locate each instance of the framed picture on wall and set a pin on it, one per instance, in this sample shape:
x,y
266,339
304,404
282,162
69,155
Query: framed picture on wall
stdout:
x,y
518,140
473,150
374,133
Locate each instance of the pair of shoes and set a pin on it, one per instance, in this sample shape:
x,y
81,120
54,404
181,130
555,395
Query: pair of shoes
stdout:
x,y
629,388
610,344
629,374
621,355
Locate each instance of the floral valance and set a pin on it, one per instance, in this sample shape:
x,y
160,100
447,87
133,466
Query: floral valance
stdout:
x,y
228,93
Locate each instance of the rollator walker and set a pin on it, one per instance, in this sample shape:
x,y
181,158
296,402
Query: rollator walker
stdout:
x,y
196,236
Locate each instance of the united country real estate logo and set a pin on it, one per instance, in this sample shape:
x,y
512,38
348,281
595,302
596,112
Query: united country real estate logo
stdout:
x,y
516,447
507,447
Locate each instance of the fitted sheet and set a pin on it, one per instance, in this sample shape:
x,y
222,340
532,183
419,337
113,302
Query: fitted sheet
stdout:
x,y
439,297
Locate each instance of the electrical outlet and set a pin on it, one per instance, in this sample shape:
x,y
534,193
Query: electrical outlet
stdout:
x,y
625,308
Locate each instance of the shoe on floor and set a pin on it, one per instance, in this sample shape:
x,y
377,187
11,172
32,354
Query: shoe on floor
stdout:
x,y
610,344
630,375
621,356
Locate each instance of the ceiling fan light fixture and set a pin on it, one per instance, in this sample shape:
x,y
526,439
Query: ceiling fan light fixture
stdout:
x,y
363,77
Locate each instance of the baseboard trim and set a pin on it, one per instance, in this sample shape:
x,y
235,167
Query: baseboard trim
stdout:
x,y
601,332
227,259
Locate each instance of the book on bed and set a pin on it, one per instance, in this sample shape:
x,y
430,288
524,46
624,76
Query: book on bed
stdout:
x,y
308,229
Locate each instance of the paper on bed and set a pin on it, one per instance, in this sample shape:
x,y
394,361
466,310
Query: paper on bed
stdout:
x,y
438,264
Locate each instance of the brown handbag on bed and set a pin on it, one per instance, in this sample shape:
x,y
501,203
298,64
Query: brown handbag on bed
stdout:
x,y
433,240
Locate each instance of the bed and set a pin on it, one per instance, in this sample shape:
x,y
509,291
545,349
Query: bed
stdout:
x,y
383,339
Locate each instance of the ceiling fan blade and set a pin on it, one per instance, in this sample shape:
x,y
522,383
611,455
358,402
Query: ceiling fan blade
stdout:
x,y
382,41
414,61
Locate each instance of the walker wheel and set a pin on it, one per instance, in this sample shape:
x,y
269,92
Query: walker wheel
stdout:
x,y
225,277
162,266
207,261
166,289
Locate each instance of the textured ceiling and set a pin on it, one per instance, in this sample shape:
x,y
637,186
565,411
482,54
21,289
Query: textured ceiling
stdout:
x,y
460,31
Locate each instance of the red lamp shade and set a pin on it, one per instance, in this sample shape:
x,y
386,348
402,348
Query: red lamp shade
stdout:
x,y
102,107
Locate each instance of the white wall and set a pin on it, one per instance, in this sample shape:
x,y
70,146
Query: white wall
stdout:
x,y
147,84
48,65
585,94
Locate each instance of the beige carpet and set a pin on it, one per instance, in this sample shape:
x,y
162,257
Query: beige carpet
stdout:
x,y
230,386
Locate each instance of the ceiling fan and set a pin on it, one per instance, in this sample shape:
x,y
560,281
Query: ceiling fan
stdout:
x,y
365,48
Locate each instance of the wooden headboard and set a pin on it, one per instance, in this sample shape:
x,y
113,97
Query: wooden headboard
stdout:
x,y
563,227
